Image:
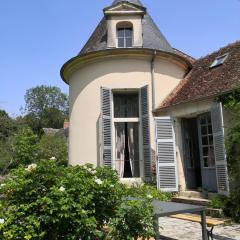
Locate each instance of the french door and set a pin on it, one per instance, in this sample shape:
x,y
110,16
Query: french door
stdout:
x,y
207,155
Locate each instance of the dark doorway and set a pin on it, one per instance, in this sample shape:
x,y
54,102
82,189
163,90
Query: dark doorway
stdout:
x,y
192,154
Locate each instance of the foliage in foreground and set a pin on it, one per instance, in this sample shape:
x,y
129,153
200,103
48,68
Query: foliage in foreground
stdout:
x,y
49,201
145,191
231,205
133,219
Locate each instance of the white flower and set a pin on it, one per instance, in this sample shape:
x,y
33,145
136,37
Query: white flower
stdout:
x,y
149,196
3,185
2,221
94,171
98,181
31,167
53,158
62,189
112,186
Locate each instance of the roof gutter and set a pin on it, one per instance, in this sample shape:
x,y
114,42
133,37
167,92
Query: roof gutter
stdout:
x,y
153,79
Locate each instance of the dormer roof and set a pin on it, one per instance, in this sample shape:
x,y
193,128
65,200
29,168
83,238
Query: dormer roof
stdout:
x,y
136,2
152,36
124,7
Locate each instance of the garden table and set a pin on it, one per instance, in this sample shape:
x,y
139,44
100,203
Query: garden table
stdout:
x,y
164,209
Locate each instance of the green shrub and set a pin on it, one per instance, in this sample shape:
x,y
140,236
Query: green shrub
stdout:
x,y
218,202
5,155
53,145
143,191
25,146
48,201
232,206
133,219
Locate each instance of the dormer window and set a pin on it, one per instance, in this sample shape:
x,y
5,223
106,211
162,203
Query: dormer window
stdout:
x,y
124,35
219,60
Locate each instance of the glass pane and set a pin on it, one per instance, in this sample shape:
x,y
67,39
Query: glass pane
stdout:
x,y
210,140
205,140
128,42
209,120
128,32
121,42
121,32
210,129
127,155
126,105
205,151
211,157
205,162
203,120
204,130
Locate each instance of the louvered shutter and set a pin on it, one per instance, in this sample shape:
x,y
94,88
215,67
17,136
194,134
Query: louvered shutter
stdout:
x,y
219,148
144,96
166,155
106,100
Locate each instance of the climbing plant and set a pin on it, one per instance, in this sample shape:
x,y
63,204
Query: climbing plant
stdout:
x,y
231,102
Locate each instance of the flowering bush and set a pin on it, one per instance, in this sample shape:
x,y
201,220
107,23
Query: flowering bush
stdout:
x,y
145,191
48,201
133,219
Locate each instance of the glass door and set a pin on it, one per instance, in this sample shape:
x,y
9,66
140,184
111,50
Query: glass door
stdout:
x,y
209,180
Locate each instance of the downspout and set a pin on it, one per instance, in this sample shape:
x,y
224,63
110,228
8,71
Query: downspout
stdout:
x,y
153,79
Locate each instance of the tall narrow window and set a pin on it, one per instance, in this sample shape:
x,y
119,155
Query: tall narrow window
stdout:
x,y
125,37
126,125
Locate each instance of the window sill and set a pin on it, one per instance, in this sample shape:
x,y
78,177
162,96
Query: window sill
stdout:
x,y
131,181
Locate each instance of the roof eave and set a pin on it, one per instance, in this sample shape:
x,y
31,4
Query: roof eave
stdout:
x,y
70,66
204,98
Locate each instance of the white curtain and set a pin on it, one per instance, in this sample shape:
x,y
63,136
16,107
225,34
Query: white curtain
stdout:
x,y
133,148
120,148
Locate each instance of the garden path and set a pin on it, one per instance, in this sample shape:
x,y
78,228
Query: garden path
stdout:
x,y
177,229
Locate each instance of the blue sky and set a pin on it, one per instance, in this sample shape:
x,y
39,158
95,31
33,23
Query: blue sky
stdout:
x,y
38,36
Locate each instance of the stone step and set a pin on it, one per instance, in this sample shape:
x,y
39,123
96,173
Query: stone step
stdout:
x,y
191,200
192,194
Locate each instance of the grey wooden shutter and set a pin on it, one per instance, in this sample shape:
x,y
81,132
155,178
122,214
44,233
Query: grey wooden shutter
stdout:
x,y
166,155
106,101
219,148
144,96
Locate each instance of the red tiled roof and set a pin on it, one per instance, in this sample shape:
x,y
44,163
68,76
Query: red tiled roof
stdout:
x,y
203,81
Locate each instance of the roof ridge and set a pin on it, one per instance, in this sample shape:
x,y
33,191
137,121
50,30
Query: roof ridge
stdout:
x,y
137,2
219,49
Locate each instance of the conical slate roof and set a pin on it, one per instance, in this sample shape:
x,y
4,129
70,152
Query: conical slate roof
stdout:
x,y
152,36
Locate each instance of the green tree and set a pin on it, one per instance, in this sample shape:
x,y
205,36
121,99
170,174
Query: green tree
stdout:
x,y
53,145
25,146
7,126
5,156
45,106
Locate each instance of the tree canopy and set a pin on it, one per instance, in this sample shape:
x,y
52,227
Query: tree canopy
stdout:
x,y
7,125
45,107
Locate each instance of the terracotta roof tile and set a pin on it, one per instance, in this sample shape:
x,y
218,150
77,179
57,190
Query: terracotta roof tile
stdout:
x,y
203,81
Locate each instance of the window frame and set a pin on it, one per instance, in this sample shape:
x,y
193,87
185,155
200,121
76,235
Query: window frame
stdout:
x,y
133,120
218,61
124,28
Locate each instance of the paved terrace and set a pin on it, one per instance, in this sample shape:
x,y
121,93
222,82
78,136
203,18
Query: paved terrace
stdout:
x,y
175,229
